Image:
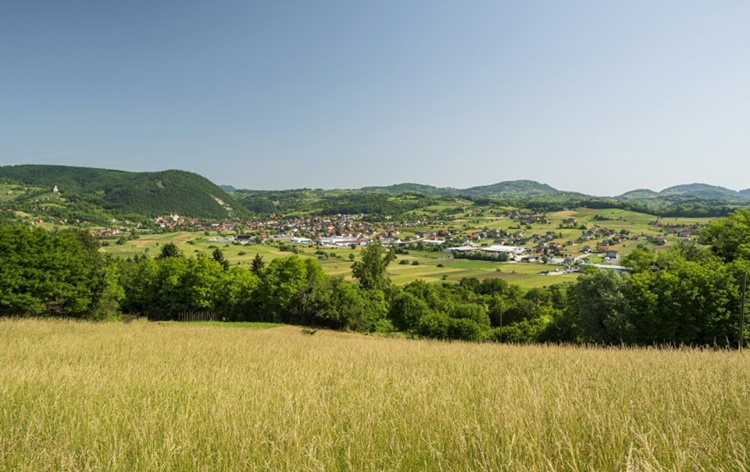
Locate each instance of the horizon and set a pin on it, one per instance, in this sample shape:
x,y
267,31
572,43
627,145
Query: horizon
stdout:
x,y
599,99
409,183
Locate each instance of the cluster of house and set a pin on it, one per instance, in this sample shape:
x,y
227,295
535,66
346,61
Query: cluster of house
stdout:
x,y
338,230
495,249
679,231
178,223
107,232
526,217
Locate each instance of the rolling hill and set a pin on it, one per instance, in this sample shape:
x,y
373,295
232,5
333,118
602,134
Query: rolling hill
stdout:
x,y
414,188
704,191
123,193
639,194
509,189
100,194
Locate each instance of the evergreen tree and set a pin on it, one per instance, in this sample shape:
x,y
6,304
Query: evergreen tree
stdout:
x,y
169,250
218,256
257,265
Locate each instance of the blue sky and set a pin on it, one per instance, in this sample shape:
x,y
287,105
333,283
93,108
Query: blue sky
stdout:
x,y
591,96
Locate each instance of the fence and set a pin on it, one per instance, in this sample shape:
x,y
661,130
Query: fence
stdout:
x,y
196,316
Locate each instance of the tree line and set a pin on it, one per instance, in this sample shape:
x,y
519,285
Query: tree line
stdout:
x,y
689,294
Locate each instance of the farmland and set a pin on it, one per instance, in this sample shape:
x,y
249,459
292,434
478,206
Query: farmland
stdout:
x,y
79,395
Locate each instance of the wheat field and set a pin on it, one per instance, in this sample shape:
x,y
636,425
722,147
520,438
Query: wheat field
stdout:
x,y
146,396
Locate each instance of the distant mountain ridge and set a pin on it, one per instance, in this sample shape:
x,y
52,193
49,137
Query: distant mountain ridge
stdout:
x,y
695,190
531,188
508,189
638,194
99,194
414,188
706,191
699,200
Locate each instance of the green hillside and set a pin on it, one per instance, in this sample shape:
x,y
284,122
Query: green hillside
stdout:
x,y
117,193
705,191
415,188
511,189
639,194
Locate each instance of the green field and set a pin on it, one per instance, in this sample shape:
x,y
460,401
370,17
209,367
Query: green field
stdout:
x,y
148,396
338,262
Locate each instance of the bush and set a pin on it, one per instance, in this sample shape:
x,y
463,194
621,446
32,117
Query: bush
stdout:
x,y
464,329
434,325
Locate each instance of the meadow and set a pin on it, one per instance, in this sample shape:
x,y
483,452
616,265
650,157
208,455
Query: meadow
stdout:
x,y
171,396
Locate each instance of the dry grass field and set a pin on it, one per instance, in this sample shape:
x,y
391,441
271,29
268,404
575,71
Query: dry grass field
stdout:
x,y
147,396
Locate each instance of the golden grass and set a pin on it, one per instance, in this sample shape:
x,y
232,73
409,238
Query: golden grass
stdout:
x,y
143,396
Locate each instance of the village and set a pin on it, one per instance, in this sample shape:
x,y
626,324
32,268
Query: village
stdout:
x,y
506,236
513,235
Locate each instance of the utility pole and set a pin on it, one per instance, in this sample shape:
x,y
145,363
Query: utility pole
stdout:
x,y
742,310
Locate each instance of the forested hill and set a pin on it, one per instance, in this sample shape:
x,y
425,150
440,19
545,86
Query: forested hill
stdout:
x,y
709,192
699,200
509,189
124,193
415,188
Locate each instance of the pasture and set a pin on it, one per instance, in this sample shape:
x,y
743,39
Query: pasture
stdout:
x,y
148,396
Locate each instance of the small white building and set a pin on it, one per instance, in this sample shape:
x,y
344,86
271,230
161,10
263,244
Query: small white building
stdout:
x,y
301,240
450,250
339,241
512,250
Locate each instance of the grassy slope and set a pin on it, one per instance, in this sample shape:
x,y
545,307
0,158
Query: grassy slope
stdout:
x,y
147,396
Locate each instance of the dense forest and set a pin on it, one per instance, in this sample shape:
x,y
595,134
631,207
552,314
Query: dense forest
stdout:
x,y
685,295
89,193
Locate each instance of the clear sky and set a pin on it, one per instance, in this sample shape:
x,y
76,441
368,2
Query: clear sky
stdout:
x,y
593,96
